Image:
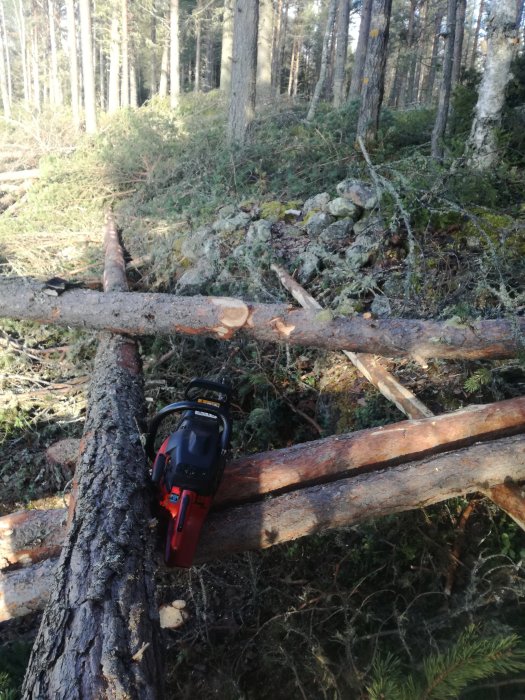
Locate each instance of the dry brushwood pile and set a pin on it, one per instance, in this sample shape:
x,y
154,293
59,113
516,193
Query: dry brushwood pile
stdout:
x,y
89,557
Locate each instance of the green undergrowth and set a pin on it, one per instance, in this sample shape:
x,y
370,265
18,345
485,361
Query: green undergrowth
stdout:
x,y
339,615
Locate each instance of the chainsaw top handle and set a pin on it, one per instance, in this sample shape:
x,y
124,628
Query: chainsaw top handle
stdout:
x,y
189,406
222,392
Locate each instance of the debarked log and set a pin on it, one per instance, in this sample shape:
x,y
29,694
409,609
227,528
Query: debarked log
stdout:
x,y
324,507
223,318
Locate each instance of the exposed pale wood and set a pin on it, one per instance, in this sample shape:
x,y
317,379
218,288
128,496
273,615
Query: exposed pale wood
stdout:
x,y
102,608
323,507
222,317
253,477
510,497
369,365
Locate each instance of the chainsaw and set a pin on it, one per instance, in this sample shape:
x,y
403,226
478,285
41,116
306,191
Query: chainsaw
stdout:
x,y
188,467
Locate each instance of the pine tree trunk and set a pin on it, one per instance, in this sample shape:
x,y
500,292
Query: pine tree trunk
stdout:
x,y
73,61
35,68
7,53
124,89
21,22
174,54
324,61
163,83
474,54
100,636
281,25
264,52
502,39
430,80
416,94
458,42
133,87
198,46
114,63
440,125
226,48
374,72
343,17
102,77
55,88
6,102
244,69
356,82
87,66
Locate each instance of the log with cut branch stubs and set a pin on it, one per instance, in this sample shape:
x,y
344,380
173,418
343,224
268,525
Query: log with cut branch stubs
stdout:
x,y
102,609
319,508
336,459
223,318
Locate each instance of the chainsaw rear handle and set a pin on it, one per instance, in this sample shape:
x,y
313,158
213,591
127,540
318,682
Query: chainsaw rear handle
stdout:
x,y
188,406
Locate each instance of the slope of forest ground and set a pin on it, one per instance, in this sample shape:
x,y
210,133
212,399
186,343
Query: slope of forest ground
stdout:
x,y
346,614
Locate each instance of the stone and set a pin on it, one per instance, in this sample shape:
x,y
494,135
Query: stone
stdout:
x,y
227,211
337,234
358,192
309,267
316,203
366,245
317,223
343,207
259,232
368,225
380,306
199,244
196,279
232,223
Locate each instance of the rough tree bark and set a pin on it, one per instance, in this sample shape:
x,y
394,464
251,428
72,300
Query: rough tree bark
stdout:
x,y
73,61
32,535
430,78
114,62
222,318
88,73
164,62
226,48
319,508
356,82
502,35
374,71
324,61
174,54
6,100
341,51
100,634
54,82
474,55
264,52
440,124
458,42
124,45
244,68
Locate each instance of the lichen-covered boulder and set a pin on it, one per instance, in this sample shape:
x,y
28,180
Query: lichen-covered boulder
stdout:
x,y
197,279
343,207
317,223
380,307
309,267
259,232
316,203
366,244
200,244
232,223
358,192
337,235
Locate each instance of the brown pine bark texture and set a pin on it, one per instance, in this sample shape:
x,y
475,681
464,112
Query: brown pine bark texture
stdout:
x,y
374,71
223,318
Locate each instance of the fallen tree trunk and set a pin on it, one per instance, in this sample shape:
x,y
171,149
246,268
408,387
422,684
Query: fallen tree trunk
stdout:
x,y
12,175
253,477
323,507
102,609
222,317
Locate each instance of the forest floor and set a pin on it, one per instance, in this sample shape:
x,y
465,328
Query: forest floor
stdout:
x,y
337,615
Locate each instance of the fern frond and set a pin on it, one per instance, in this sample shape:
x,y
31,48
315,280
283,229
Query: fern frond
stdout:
x,y
470,659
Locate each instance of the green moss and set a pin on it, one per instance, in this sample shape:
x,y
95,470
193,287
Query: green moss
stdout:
x,y
272,211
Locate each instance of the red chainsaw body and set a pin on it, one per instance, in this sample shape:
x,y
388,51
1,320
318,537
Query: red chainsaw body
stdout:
x,y
186,512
